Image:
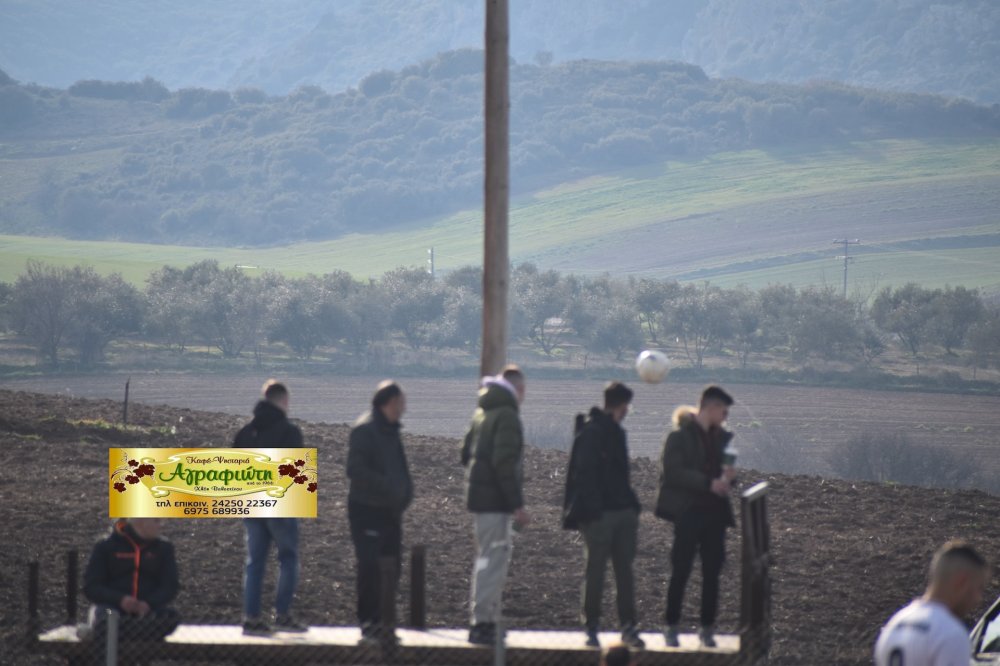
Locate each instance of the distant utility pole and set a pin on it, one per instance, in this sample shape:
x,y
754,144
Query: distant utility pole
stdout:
x,y
496,266
430,262
848,259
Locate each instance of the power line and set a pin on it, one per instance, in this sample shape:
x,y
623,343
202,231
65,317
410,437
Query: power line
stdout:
x,y
848,259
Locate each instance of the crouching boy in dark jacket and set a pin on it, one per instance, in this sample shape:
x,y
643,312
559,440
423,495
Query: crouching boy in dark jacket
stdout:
x,y
133,571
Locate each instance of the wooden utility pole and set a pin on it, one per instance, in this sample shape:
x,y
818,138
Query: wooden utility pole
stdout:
x,y
496,265
848,259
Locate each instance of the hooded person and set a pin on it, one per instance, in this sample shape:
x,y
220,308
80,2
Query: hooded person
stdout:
x,y
133,571
601,504
270,427
694,496
492,455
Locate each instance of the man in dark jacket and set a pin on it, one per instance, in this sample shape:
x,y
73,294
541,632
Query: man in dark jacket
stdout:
x,y
381,490
492,453
133,571
601,504
270,427
694,496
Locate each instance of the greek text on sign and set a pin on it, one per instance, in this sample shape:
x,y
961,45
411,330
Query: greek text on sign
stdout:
x,y
212,483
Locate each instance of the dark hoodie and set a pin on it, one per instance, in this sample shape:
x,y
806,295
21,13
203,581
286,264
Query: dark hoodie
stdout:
x,y
123,564
598,475
269,427
376,464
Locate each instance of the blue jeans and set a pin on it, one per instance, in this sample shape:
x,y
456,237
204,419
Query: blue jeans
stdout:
x,y
260,533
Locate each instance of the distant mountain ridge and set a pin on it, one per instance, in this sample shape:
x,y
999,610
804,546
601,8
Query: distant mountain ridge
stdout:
x,y
951,48
911,45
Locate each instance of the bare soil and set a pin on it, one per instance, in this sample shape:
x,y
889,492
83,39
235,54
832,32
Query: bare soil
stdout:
x,y
810,421
846,555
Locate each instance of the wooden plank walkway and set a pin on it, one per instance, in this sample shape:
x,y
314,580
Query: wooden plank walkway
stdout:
x,y
432,646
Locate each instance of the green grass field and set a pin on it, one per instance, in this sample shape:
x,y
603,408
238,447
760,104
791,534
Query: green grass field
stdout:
x,y
979,267
575,226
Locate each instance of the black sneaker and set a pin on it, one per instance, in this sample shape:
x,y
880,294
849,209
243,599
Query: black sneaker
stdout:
x,y
369,636
376,634
289,624
631,638
256,627
592,639
671,636
707,635
484,633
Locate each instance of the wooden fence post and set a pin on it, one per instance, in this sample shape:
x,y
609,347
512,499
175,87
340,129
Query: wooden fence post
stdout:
x,y
388,567
72,580
755,602
33,625
125,405
418,587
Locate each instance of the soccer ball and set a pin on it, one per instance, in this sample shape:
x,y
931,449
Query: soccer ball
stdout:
x,y
652,366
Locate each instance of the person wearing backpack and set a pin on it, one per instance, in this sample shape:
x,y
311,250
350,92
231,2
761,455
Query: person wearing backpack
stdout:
x,y
601,504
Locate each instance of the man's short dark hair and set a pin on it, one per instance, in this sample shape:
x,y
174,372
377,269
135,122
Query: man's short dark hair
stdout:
x,y
715,393
274,390
618,655
386,391
616,394
953,556
512,373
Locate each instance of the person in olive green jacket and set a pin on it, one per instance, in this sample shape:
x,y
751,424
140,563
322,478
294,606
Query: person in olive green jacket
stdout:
x,y
492,453
694,495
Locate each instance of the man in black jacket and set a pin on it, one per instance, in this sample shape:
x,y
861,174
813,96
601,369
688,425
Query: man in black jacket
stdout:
x,y
133,571
694,496
381,490
601,504
270,427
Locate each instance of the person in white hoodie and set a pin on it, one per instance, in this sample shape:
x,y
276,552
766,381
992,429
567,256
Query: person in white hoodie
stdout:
x,y
929,631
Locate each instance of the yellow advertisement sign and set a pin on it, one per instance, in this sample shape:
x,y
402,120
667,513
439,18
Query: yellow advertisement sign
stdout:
x,y
212,483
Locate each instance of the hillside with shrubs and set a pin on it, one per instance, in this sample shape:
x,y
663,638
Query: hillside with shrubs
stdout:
x,y
137,161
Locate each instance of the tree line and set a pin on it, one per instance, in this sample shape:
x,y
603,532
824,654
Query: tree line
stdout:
x,y
74,313
241,167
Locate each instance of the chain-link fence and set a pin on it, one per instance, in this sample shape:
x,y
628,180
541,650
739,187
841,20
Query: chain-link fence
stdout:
x,y
825,606
153,633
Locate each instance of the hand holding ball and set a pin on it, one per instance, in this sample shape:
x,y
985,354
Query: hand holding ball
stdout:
x,y
652,366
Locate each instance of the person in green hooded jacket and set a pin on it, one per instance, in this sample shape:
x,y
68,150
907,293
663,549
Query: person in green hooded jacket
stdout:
x,y
492,454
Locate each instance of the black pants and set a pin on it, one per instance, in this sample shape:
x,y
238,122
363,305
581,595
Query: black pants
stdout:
x,y
155,626
377,532
704,532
